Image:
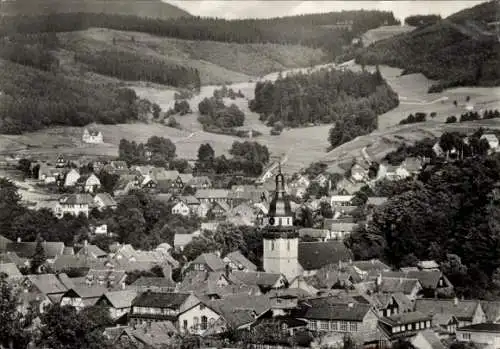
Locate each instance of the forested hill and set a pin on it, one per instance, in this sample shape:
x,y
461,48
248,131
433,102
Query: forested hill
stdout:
x,y
142,8
457,51
331,31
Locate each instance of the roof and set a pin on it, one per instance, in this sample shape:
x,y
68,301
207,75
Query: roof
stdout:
x,y
393,285
371,265
341,198
106,199
376,200
225,207
211,260
186,177
341,226
212,193
381,300
428,265
189,200
327,308
145,281
255,278
72,261
91,250
76,199
431,337
491,310
27,249
121,299
161,300
239,259
212,226
184,239
484,327
314,233
47,283
10,269
428,279
314,255
461,309
243,301
405,318
86,292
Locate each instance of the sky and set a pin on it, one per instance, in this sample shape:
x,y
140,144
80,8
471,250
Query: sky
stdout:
x,y
232,9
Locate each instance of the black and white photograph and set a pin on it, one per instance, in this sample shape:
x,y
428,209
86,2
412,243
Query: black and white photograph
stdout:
x,y
249,174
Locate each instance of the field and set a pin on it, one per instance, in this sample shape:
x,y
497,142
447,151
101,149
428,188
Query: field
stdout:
x,y
217,62
384,32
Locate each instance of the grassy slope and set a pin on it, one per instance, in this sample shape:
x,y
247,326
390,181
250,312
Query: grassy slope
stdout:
x,y
141,8
217,62
384,32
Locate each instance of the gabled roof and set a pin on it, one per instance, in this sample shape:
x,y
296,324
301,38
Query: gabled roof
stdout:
x,y
186,177
314,255
106,199
239,259
431,337
212,193
91,250
184,239
258,278
72,261
121,299
189,200
27,249
327,308
47,283
211,260
76,199
371,265
381,301
341,226
485,327
461,309
428,279
394,285
160,282
491,310
86,292
405,318
161,300
314,233
224,206
10,269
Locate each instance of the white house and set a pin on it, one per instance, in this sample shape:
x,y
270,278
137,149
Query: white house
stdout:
x,y
180,208
118,303
71,178
197,319
492,141
104,200
73,204
485,334
92,184
92,136
341,200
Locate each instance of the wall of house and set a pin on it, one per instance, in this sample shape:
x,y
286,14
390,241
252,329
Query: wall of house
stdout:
x,y
73,301
281,256
61,210
335,326
191,320
489,338
479,316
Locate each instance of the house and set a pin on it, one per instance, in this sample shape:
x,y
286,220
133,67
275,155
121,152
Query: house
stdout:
x,y
388,304
152,306
92,183
413,165
433,282
322,179
92,136
405,325
212,195
118,303
191,202
71,178
492,141
219,209
181,240
300,283
427,339
341,200
92,251
467,312
181,208
61,162
301,181
126,183
341,230
265,281
202,210
74,204
491,310
119,165
82,296
237,261
248,194
315,255
200,182
44,288
364,268
205,284
157,335
100,229
11,270
428,265
328,315
359,172
153,284
207,262
161,174
148,183
26,250
318,234
375,201
104,200
484,334
390,285
348,187
112,279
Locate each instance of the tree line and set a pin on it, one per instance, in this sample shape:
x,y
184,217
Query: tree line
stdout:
x,y
134,67
215,114
316,30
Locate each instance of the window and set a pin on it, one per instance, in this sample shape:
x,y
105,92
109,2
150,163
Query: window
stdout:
x,y
185,325
272,245
466,336
417,325
427,324
324,325
204,322
202,306
334,326
343,326
195,322
288,245
312,325
353,327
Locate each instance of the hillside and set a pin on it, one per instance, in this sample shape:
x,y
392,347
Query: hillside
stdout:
x,y
453,51
384,32
142,8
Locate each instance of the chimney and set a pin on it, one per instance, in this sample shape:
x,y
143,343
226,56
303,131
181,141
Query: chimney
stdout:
x,y
85,243
372,261
18,239
379,279
455,301
350,305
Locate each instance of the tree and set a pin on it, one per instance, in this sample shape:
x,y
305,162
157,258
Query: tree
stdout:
x,y
156,110
161,147
451,119
39,258
12,325
206,153
108,181
455,103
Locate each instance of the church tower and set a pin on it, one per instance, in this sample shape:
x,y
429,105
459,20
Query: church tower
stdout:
x,y
281,239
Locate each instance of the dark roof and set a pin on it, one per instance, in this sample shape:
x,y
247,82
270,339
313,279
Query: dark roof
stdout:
x,y
330,309
76,199
280,204
314,255
47,283
27,249
255,278
461,309
106,199
145,281
238,258
371,265
491,310
161,300
210,259
485,327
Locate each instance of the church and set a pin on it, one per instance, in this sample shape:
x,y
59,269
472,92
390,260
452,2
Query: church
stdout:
x,y
283,253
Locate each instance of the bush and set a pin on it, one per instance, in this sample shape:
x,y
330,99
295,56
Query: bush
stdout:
x,y
451,119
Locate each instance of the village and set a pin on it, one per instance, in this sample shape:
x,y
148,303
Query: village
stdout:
x,y
308,291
